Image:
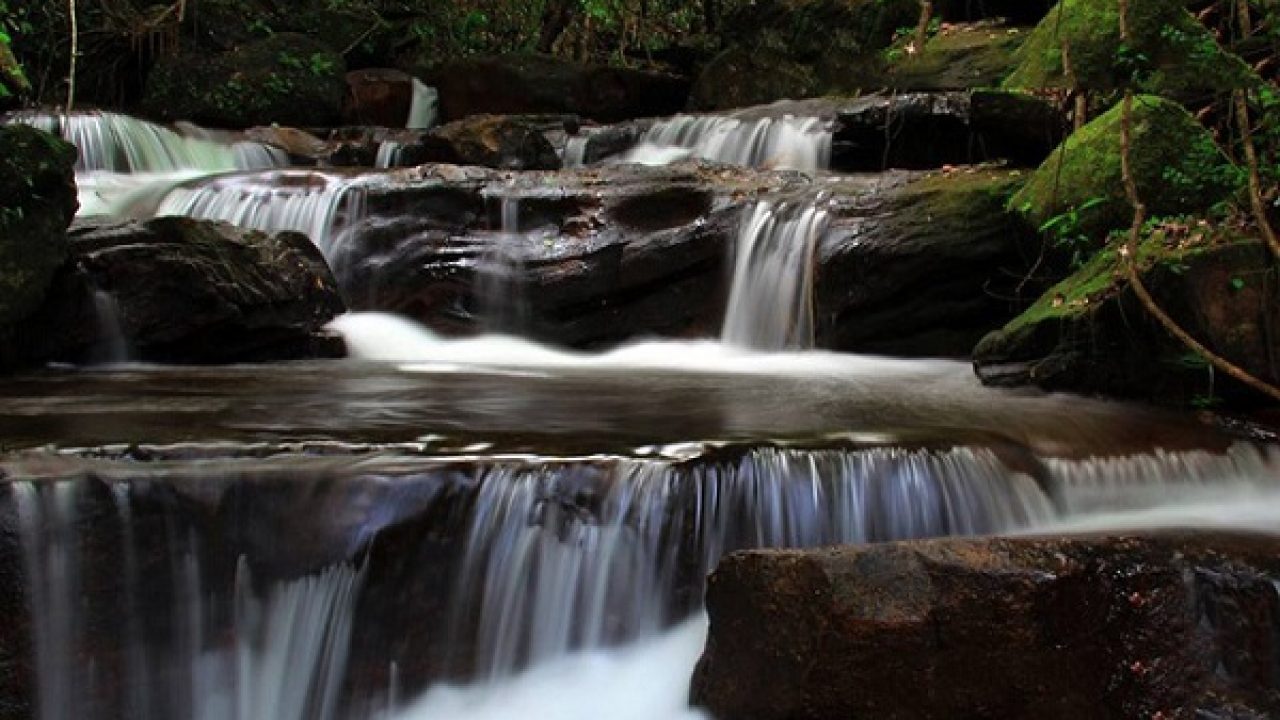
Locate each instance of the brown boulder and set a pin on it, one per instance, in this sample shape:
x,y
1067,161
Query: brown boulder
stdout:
x,y
1159,626
378,96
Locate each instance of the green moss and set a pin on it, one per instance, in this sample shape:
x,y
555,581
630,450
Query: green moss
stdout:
x,y
1171,54
1177,168
962,57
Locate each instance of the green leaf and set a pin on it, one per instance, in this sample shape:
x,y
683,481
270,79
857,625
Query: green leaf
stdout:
x,y
1237,284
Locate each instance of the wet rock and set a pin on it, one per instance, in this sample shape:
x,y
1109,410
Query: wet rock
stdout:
x,y
919,266
1158,625
496,141
514,84
301,145
37,203
378,97
287,78
1090,334
598,256
192,291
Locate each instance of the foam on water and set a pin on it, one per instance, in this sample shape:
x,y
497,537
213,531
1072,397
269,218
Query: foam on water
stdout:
x,y
783,143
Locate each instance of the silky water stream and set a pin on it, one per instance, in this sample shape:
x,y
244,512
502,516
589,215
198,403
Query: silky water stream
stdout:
x,y
443,528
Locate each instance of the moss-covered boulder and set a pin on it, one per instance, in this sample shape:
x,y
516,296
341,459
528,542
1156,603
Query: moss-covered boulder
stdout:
x,y
1176,166
1091,334
741,76
1171,53
287,78
37,203
956,58
811,31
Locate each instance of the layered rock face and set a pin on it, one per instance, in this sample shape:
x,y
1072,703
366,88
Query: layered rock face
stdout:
x,y
1160,625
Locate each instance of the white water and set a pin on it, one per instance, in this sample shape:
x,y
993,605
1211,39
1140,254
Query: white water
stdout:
x,y
771,298
124,160
113,343
648,680
320,205
424,109
785,143
503,305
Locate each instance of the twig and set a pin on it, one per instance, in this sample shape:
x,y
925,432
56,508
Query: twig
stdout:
x,y
1255,178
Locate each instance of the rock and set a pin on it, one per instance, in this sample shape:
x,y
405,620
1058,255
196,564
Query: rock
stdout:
x,y
515,84
1173,624
919,266
743,76
930,130
378,97
37,203
287,78
1019,12
497,141
1090,334
1176,165
909,265
812,31
192,291
1176,55
611,140
299,144
604,254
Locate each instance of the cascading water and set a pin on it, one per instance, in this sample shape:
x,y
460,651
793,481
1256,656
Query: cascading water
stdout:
x,y
318,204
500,270
785,143
113,342
424,109
771,297
281,657
124,161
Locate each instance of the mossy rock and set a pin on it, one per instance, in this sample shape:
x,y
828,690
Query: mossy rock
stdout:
x,y
1171,53
37,203
13,82
739,77
1176,166
287,78
811,31
957,58
1090,334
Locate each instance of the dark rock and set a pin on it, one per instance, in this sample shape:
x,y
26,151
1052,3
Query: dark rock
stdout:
x,y
378,97
1160,625
514,84
287,78
604,254
37,203
605,142
919,267
909,265
192,291
496,141
1021,12
809,31
929,130
1090,334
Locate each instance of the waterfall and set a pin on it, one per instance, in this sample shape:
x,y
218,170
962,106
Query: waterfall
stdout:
x,y
575,151
389,153
317,204
286,655
771,296
113,342
500,289
785,143
423,110
121,144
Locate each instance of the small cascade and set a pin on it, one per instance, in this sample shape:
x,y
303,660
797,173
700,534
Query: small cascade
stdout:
x,y
575,151
121,144
500,271
785,143
317,204
283,656
424,109
771,296
113,343
389,152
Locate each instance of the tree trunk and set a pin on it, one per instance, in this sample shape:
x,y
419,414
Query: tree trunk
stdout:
x,y
556,17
